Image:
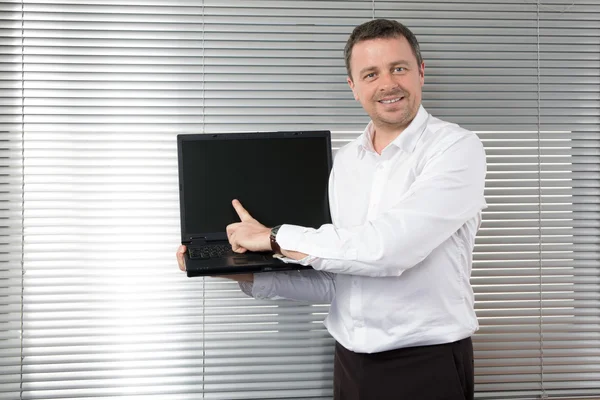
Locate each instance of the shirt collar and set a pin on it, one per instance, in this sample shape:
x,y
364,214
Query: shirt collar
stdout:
x,y
365,141
406,141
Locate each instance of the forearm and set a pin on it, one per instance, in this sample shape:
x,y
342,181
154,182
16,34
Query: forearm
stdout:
x,y
386,247
294,255
447,194
307,285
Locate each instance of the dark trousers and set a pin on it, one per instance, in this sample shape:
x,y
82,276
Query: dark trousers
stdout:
x,y
439,372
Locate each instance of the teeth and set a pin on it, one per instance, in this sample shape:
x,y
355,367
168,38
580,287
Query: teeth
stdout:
x,y
389,101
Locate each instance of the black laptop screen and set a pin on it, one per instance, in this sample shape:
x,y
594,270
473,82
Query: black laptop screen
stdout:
x,y
277,179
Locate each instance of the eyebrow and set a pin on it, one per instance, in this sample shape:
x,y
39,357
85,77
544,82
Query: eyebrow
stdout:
x,y
365,70
373,68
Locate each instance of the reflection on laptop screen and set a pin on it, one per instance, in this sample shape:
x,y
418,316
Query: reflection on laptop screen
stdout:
x,y
277,179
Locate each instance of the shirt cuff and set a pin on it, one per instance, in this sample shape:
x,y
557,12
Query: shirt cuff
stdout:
x,y
246,287
289,236
313,242
308,260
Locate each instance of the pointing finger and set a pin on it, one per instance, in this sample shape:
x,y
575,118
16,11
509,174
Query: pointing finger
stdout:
x,y
241,211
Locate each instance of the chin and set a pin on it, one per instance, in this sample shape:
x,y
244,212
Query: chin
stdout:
x,y
396,120
403,118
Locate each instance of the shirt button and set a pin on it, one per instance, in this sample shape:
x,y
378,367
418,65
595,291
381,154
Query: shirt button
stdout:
x,y
359,324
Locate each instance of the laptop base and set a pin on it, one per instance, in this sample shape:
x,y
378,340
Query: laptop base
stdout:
x,y
238,264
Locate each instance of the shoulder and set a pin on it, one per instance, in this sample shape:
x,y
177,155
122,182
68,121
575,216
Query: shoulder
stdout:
x,y
349,151
440,136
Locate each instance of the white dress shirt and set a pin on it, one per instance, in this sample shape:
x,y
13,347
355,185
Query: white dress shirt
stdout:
x,y
395,264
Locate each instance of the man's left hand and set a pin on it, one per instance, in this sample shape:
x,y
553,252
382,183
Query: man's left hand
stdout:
x,y
249,234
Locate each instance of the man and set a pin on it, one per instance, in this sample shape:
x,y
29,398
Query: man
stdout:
x,y
406,200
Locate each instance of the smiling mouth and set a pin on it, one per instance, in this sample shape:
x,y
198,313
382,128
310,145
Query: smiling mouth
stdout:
x,y
391,101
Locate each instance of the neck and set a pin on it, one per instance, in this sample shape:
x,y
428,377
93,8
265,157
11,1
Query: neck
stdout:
x,y
384,135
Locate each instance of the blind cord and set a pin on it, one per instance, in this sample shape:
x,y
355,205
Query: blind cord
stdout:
x,y
204,277
561,12
21,352
544,395
202,57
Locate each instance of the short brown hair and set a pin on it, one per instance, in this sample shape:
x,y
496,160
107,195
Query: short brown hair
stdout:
x,y
380,29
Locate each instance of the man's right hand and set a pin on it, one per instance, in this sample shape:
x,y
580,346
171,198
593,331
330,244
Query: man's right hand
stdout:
x,y
180,255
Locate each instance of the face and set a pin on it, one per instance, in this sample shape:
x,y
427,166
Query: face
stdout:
x,y
387,81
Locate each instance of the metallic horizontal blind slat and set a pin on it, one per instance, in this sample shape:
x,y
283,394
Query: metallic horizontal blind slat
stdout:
x,y
108,85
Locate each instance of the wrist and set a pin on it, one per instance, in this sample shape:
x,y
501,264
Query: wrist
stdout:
x,y
295,255
275,248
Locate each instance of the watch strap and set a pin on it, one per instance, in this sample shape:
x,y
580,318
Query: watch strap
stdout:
x,y
273,238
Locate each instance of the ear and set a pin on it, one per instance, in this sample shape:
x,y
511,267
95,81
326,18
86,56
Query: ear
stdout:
x,y
351,84
422,73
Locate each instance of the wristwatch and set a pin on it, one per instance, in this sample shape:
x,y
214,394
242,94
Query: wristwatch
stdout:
x,y
273,237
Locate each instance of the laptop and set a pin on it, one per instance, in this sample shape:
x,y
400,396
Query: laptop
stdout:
x,y
279,177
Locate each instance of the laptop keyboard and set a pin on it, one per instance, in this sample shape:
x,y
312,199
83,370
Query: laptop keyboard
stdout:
x,y
210,251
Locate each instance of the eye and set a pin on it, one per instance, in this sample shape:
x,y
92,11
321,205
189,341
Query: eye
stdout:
x,y
399,69
370,75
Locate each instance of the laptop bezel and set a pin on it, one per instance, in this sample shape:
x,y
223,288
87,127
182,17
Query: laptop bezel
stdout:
x,y
202,237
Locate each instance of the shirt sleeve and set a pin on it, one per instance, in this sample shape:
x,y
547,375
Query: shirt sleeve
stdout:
x,y
306,285
447,193
246,287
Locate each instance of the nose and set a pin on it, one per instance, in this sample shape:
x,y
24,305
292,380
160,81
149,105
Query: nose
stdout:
x,y
387,82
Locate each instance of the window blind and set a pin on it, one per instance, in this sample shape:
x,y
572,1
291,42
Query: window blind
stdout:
x,y
93,95
11,200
